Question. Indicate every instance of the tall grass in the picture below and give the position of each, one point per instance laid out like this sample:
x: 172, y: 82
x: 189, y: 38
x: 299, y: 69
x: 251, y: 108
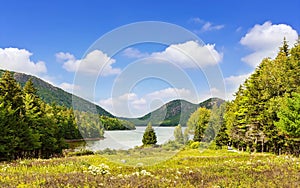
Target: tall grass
x: 188, y: 168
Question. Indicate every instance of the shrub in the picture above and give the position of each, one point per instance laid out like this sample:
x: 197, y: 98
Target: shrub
x: 80, y: 153
x: 195, y: 145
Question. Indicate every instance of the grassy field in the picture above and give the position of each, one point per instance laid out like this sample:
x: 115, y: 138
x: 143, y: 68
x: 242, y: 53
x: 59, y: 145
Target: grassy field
x: 187, y: 168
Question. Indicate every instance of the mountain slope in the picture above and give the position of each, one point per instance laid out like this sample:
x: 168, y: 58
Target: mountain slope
x: 51, y: 94
x: 174, y: 112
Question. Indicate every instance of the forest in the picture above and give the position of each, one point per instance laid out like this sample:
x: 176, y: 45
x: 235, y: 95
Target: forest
x: 31, y: 128
x: 263, y: 117
x: 265, y: 114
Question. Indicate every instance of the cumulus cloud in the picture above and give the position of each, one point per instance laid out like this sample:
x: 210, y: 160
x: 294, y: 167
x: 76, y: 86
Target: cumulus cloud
x: 264, y: 40
x: 134, y: 53
x: 130, y: 104
x: 18, y: 60
x: 93, y: 63
x: 233, y: 82
x: 190, y: 54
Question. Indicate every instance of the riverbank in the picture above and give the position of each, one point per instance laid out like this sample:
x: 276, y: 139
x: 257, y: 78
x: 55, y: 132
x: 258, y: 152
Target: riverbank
x: 187, y: 168
x: 84, y: 139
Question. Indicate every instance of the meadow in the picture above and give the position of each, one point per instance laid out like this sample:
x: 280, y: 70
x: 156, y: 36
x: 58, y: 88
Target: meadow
x: 135, y: 168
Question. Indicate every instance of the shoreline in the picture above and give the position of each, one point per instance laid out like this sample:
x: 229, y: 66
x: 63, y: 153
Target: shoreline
x: 83, y: 139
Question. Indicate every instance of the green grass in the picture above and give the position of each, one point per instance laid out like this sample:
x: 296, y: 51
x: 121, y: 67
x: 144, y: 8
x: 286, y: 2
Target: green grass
x: 188, y: 168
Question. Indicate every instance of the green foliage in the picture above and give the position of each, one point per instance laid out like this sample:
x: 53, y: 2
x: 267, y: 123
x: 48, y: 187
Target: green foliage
x: 32, y: 128
x: 51, y: 94
x: 251, y: 115
x: 178, y: 135
x: 174, y: 113
x: 198, y: 123
x: 80, y: 153
x: 149, y: 137
x: 289, y: 115
x: 110, y: 123
x: 222, y: 139
x: 172, y: 145
x: 188, y: 168
x: 195, y: 145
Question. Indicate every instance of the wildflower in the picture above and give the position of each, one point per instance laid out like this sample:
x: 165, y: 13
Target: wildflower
x: 102, y: 169
x: 135, y: 174
x: 120, y: 176
x: 145, y: 173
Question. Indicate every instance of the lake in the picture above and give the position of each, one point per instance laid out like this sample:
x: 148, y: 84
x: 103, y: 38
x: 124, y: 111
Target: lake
x: 130, y: 138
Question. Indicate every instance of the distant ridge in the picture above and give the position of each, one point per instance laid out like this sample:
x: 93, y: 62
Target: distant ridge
x: 170, y: 114
x: 174, y: 112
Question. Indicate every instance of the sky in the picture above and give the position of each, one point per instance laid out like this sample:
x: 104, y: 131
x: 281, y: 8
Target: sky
x: 109, y: 53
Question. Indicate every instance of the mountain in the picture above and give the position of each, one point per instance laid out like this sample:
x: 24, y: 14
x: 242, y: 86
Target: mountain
x: 51, y: 94
x: 174, y: 112
x: 171, y: 114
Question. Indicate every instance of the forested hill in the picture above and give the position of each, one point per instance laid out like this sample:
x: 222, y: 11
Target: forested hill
x: 174, y: 112
x: 51, y: 94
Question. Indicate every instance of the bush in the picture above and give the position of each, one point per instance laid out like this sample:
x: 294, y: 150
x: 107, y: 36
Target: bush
x: 80, y: 153
x: 107, y: 151
x: 172, y: 145
x: 194, y: 145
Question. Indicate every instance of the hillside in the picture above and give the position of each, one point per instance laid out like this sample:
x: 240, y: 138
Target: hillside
x: 51, y: 94
x: 174, y: 112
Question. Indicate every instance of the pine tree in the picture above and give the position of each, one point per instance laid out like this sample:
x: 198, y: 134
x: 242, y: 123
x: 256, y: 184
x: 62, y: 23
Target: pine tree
x: 289, y: 115
x: 186, y: 136
x: 12, y: 101
x: 11, y: 92
x: 250, y: 117
x: 222, y: 138
x: 149, y: 137
x: 178, y: 135
x: 201, y: 123
x: 8, y: 133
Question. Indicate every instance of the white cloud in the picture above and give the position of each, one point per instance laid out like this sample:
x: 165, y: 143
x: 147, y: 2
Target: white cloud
x: 18, y: 60
x: 69, y: 87
x: 233, y: 83
x: 169, y: 94
x: 264, y: 40
x: 236, y: 80
x: 61, y: 57
x: 130, y: 104
x: 208, y: 26
x: 190, y: 54
x: 134, y: 53
x: 196, y: 20
x: 93, y: 63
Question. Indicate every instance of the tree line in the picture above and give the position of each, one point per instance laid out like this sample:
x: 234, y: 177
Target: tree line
x: 265, y: 114
x: 32, y: 128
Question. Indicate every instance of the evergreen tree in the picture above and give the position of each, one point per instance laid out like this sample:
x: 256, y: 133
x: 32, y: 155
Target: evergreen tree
x: 289, y: 116
x: 149, y: 137
x: 201, y: 119
x: 222, y: 138
x: 186, y: 136
x: 178, y: 135
x: 12, y: 101
x: 251, y: 115
x: 11, y: 92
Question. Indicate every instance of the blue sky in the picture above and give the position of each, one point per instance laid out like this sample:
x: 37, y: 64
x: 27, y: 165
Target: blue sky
x: 50, y: 38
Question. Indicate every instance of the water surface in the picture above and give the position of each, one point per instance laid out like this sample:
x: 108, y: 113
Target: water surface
x: 130, y: 138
